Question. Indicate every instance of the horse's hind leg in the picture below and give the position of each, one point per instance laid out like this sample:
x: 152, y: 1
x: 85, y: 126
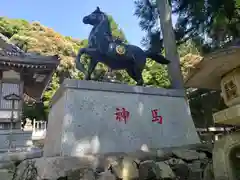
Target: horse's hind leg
x: 136, y: 74
x: 138, y: 66
x: 91, y: 67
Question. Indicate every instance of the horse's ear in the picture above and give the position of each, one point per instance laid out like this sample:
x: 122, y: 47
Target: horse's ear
x: 98, y: 9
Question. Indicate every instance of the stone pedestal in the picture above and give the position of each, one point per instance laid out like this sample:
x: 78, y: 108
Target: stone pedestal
x: 96, y: 117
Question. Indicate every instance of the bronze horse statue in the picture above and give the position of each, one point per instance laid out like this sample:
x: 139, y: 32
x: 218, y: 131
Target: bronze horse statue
x: 113, y: 53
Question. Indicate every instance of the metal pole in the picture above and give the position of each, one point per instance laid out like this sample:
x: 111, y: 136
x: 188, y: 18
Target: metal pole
x: 174, y: 70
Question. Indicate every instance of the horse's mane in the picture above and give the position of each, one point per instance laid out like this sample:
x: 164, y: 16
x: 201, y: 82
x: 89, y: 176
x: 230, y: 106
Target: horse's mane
x: 108, y: 23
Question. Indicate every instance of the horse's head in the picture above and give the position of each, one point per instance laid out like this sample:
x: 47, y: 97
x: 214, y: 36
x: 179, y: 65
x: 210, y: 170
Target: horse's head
x: 95, y: 17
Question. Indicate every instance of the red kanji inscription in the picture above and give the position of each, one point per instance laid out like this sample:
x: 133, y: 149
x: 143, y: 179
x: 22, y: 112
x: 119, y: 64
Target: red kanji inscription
x: 122, y: 115
x: 155, y: 117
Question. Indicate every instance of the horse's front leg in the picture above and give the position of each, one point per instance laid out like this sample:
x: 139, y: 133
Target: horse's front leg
x: 78, y: 63
x: 86, y: 50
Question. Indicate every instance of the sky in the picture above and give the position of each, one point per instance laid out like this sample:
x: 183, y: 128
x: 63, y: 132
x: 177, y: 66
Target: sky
x: 65, y: 17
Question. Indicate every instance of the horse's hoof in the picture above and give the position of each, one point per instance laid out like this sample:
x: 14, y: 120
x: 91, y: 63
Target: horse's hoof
x: 87, y: 79
x: 140, y: 84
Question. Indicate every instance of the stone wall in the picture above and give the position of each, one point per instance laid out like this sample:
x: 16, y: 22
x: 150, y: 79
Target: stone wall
x: 19, y: 139
x: 192, y: 163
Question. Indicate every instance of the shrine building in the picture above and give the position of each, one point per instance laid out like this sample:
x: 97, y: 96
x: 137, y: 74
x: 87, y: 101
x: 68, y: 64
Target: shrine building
x: 21, y: 75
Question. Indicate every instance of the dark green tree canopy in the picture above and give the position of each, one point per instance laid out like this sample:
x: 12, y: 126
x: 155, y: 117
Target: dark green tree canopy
x: 209, y: 23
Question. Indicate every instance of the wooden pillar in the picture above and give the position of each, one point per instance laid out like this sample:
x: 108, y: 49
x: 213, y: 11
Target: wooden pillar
x: 174, y: 70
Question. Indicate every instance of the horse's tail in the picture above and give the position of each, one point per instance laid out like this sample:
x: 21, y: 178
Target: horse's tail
x: 157, y: 57
x: 80, y: 65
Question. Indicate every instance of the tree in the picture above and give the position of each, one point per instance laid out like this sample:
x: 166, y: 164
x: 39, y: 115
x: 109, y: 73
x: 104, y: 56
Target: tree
x: 9, y: 27
x: 116, y: 31
x: 202, y: 26
x: 148, y: 21
x: 211, y: 24
x: 216, y: 20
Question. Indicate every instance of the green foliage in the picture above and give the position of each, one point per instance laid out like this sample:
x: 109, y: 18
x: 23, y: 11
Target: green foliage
x: 211, y: 24
x: 54, y: 85
x: 116, y: 31
x: 155, y: 75
x: 202, y: 26
x: 189, y: 47
x: 216, y: 20
x: 238, y: 3
x: 34, y: 37
x: 9, y: 27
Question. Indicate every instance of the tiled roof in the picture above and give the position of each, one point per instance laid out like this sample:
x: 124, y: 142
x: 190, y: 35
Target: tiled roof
x: 7, y: 48
x: 207, y: 72
x: 12, y: 57
x: 11, y: 51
